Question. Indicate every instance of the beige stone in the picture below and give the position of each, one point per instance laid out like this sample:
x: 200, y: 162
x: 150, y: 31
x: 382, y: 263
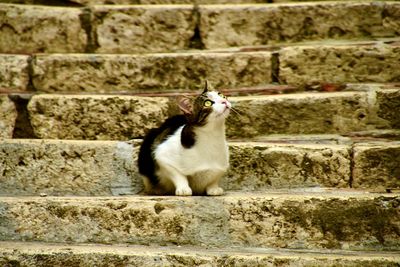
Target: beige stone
x: 282, y: 220
x: 107, y: 73
x: 161, y: 2
x: 33, y: 29
x: 89, y: 168
x: 37, y: 254
x: 246, y: 25
x: 388, y: 106
x: 52, y: 167
x: 95, y: 117
x: 136, y: 29
x: 299, y: 114
x: 339, y: 64
x: 261, y: 166
x: 8, y: 116
x: 14, y: 74
x: 138, y: 2
x: 377, y: 165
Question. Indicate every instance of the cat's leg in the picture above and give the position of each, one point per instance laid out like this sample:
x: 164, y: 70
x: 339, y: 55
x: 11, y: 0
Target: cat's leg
x: 213, y: 189
x: 178, y: 179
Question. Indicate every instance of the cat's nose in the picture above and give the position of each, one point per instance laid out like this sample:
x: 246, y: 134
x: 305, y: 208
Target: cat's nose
x: 225, y: 102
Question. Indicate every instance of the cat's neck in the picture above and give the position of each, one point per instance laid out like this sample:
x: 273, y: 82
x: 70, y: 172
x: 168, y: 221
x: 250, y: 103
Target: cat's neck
x: 214, y: 128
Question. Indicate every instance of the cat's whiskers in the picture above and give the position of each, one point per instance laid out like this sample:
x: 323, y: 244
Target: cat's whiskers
x: 236, y: 112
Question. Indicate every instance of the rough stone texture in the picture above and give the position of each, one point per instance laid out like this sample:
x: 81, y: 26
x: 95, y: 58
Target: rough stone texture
x: 312, y: 220
x: 133, y: 2
x: 135, y: 29
x: 33, y: 167
x: 377, y: 165
x: 95, y: 117
x: 35, y: 29
x: 246, y: 25
x: 14, y: 73
x: 388, y: 102
x: 299, y: 114
x: 157, y: 2
x: 339, y: 64
x: 106, y: 73
x: 36, y: 254
x: 261, y: 166
x: 90, y: 168
x: 8, y: 115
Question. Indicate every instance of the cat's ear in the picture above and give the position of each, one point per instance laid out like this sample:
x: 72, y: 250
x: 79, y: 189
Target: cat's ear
x: 206, y: 86
x: 185, y: 105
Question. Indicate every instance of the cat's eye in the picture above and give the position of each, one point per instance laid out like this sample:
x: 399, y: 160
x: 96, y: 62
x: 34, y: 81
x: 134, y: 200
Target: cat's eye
x: 208, y: 103
x: 221, y: 95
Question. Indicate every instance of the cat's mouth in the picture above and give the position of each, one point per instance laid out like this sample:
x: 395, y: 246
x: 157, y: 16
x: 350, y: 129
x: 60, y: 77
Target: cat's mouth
x: 225, y: 112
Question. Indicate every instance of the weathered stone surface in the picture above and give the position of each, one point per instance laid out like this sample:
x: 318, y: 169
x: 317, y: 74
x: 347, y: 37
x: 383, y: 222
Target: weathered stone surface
x: 107, y: 73
x: 299, y: 114
x: 90, y: 168
x: 95, y: 117
x: 14, y: 73
x: 49, y: 255
x: 339, y: 64
x: 33, y: 167
x: 135, y: 29
x: 158, y: 2
x: 308, y: 220
x: 33, y: 29
x: 377, y: 165
x: 8, y: 115
x: 134, y: 2
x: 260, y: 166
x: 246, y: 25
x: 388, y: 102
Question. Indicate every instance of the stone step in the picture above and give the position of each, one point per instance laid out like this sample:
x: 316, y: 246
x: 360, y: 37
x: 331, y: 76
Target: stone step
x: 338, y: 64
x: 105, y: 168
x: 302, y: 65
x: 166, y: 28
x: 303, y: 220
x: 49, y: 255
x: 133, y: 73
x: 114, y: 117
x: 73, y: 3
x: 364, y: 107
x: 8, y: 116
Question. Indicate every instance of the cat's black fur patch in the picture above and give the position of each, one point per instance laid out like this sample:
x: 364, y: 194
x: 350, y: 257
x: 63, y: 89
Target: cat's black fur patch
x: 188, y: 136
x: 146, y: 163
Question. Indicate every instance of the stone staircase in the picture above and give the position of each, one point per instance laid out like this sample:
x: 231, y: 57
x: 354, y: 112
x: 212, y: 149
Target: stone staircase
x: 314, y: 145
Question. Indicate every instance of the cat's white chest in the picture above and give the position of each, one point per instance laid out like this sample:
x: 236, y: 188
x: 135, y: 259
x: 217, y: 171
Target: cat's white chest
x: 210, y: 153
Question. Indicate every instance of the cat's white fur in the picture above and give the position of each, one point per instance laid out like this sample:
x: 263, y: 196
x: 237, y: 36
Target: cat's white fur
x: 199, y: 168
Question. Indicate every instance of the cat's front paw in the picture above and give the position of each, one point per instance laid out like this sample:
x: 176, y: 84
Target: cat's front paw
x: 215, y: 191
x: 183, y: 191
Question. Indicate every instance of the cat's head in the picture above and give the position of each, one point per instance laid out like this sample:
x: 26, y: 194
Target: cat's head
x: 209, y: 106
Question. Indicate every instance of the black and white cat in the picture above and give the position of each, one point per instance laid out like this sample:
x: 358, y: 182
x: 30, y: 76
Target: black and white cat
x: 188, y: 154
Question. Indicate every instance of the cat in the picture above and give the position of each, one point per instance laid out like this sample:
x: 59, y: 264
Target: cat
x: 188, y: 154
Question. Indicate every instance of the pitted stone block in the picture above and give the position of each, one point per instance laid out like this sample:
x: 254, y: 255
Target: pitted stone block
x: 108, y: 73
x: 34, y: 29
x: 95, y: 117
x: 8, y: 116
